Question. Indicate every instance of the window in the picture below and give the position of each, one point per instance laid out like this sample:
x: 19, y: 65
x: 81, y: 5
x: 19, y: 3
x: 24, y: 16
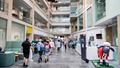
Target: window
x: 98, y: 36
x: 100, y: 9
x: 89, y: 18
x: 1, y: 5
x: 80, y: 22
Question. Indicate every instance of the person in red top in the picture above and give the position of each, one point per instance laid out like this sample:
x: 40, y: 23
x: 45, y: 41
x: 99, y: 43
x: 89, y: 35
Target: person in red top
x: 47, y: 51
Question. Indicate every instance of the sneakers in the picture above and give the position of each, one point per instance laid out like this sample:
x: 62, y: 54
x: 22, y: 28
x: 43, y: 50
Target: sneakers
x: 39, y: 60
x: 46, y: 60
x: 25, y: 65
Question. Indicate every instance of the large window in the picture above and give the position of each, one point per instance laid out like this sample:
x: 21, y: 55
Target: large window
x: 100, y: 9
x: 89, y: 18
x: 18, y: 32
x: 3, y: 27
x: 80, y: 22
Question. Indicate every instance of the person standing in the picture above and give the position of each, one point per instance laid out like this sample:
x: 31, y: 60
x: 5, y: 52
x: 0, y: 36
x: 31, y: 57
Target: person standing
x: 26, y: 45
x: 0, y: 49
x: 65, y: 43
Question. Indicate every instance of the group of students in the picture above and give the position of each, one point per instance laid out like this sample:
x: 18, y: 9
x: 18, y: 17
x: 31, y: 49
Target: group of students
x: 43, y: 48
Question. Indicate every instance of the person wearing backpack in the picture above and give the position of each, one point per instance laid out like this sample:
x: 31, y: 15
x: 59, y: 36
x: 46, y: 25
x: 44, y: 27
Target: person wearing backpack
x: 103, y: 53
x: 40, y: 47
x: 47, y: 51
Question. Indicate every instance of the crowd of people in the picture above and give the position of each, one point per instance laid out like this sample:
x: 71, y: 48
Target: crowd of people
x: 42, y: 47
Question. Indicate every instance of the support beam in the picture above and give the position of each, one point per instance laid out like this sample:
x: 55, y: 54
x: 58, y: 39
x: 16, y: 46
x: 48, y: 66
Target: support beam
x: 118, y: 30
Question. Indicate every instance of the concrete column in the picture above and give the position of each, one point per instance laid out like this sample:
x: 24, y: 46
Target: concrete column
x: 78, y: 24
x: 118, y: 28
x: 9, y: 23
x: 33, y: 21
x: 84, y: 15
x: 48, y: 25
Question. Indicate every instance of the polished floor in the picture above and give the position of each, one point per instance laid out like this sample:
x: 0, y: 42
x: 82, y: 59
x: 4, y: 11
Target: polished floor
x: 62, y: 59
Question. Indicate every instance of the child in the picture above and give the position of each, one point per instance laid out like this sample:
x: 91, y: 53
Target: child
x: 47, y: 51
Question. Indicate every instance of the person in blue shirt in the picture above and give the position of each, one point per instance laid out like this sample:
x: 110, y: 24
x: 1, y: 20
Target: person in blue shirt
x: 40, y: 47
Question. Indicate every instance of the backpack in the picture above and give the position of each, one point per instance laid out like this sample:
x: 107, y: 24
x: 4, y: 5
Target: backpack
x: 106, y: 49
x: 47, y: 47
x: 41, y: 47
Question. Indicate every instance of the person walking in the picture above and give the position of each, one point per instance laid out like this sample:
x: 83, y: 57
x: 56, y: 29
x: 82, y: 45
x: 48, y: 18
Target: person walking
x: 31, y: 53
x: 26, y: 45
x: 40, y: 47
x: 47, y: 51
x: 52, y: 46
x: 58, y: 45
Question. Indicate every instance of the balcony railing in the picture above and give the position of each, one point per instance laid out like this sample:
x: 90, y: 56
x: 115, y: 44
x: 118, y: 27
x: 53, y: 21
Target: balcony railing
x: 67, y: 10
x: 61, y: 32
x: 61, y: 20
x: 19, y: 15
x: 43, y: 11
x: 3, y: 6
x: 27, y: 20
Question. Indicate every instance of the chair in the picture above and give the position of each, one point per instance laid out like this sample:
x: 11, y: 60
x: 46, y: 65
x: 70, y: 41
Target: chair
x: 7, y: 59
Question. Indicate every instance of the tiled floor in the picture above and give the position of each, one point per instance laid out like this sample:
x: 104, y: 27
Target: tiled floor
x: 68, y: 59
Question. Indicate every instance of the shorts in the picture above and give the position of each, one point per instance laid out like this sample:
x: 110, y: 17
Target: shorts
x: 26, y: 55
x: 40, y: 53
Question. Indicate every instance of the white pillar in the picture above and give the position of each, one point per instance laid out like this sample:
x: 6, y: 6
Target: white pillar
x: 9, y: 23
x: 118, y: 30
x: 78, y: 24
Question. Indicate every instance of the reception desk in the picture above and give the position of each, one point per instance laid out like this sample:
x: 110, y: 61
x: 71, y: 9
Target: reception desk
x: 7, y: 59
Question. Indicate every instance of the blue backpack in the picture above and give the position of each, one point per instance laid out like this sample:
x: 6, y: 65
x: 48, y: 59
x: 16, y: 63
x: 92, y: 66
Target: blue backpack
x: 41, y: 47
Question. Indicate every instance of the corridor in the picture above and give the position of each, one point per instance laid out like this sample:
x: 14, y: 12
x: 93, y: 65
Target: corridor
x: 68, y: 59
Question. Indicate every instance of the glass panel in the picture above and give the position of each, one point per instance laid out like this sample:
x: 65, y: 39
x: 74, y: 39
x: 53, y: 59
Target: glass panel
x: 80, y: 22
x: 114, y: 33
x: 89, y: 18
x: 2, y: 38
x: 3, y: 23
x: 18, y: 32
x: 100, y: 9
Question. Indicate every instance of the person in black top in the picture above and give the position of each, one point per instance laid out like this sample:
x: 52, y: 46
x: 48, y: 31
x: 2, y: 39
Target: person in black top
x: 26, y: 50
x: 0, y: 49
